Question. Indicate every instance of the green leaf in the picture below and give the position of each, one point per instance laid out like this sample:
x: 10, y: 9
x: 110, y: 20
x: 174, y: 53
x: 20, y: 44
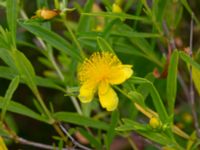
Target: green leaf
x: 196, y: 79
x: 9, y: 93
x: 8, y: 73
x: 125, y: 48
x: 145, y: 47
x: 22, y: 110
x: 84, y: 22
x: 103, y: 45
x: 6, y: 56
x: 48, y: 83
x: 3, y: 132
x: 51, y: 38
x: 80, y: 120
x: 6, y: 39
x: 172, y: 81
x: 137, y: 97
x: 161, y: 6
x: 189, y: 60
x: 144, y: 89
x: 131, y: 34
x: 117, y: 15
x: 111, y: 130
x: 93, y: 141
x: 142, y: 129
x: 130, y: 125
x: 159, y: 104
x: 11, y: 11
x: 155, y: 97
x: 25, y: 70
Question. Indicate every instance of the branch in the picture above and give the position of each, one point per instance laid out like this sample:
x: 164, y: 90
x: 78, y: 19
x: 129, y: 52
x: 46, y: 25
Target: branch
x: 73, y: 140
x: 34, y: 144
x: 171, y: 39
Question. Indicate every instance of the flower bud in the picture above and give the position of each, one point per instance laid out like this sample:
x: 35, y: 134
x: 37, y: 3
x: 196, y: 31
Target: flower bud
x: 46, y: 14
x: 99, y: 28
x: 116, y: 8
x: 154, y: 123
x: 187, y: 118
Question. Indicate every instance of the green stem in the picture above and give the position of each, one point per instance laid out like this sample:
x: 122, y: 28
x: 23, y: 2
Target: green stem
x: 76, y: 105
x: 133, y: 145
x: 52, y: 59
x: 73, y: 37
x: 51, y: 119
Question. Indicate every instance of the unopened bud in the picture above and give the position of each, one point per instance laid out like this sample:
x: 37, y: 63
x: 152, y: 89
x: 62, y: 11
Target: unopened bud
x: 116, y: 8
x: 46, y: 14
x: 99, y: 28
x: 154, y: 123
x: 187, y: 118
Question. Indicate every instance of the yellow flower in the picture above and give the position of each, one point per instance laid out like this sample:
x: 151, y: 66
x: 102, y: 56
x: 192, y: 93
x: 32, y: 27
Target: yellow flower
x: 98, y: 73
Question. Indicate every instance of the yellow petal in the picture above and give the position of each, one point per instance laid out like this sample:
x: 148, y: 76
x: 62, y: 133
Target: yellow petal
x: 128, y: 71
x: 107, y: 96
x: 2, y: 144
x: 120, y: 74
x: 86, y: 93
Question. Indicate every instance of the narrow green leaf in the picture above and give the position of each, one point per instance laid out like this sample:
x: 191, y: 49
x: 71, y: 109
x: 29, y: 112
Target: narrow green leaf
x: 137, y: 97
x: 111, y: 130
x: 3, y: 43
x: 196, y: 79
x: 189, y: 60
x: 11, y: 11
x: 155, y: 97
x: 104, y: 46
x: 172, y: 81
x: 125, y: 48
x: 157, y: 137
x: 117, y: 15
x: 145, y: 47
x: 6, y: 56
x: 132, y: 34
x: 80, y: 120
x: 84, y: 22
x: 129, y: 125
x: 8, y: 73
x: 60, y: 144
x: 3, y: 132
x: 161, y: 6
x: 142, y: 129
x: 6, y: 39
x: 51, y: 38
x: 48, y: 83
x: 159, y: 104
x: 9, y: 93
x: 22, y: 110
x: 144, y: 88
x: 25, y: 70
